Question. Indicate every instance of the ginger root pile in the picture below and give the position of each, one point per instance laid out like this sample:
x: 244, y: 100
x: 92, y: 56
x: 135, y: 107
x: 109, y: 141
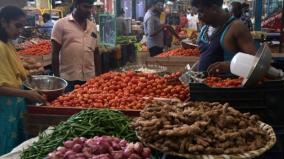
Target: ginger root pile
x: 199, y: 128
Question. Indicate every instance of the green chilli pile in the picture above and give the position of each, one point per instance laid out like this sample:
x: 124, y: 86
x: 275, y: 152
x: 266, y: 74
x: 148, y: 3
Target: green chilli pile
x: 87, y: 123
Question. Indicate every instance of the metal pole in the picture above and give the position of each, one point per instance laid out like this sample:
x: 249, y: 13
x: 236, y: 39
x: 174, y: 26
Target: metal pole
x: 281, y: 29
x: 267, y: 7
x: 258, y: 15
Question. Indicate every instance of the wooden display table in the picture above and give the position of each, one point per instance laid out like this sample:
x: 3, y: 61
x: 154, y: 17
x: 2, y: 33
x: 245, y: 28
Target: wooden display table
x: 39, y: 118
x: 173, y: 63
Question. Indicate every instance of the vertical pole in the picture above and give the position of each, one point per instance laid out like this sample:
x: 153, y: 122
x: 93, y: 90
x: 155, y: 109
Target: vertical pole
x: 281, y: 29
x: 134, y: 9
x: 268, y: 7
x: 258, y: 14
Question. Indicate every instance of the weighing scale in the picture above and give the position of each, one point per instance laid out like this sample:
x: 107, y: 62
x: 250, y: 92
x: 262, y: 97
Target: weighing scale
x: 255, y: 68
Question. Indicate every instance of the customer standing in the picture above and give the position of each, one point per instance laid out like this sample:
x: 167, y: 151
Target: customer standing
x: 74, y: 41
x: 153, y: 28
x: 12, y: 73
x: 121, y: 26
x: 48, y: 24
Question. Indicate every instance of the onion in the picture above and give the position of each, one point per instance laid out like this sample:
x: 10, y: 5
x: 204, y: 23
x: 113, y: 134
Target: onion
x: 102, y: 156
x: 115, y: 146
x: 61, y: 149
x: 72, y: 157
x: 69, y: 144
x: 90, y: 143
x: 51, y: 155
x: 116, y: 140
x: 146, y: 152
x: 69, y: 153
x: 117, y: 155
x: 138, y: 147
x: 134, y: 156
x: 77, y: 148
x: 83, y: 139
x: 59, y: 154
x: 80, y: 155
x: 127, y: 152
x: 88, y: 151
x: 123, y: 143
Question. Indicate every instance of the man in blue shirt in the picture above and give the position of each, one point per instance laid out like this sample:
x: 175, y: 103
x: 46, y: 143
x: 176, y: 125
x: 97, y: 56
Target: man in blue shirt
x: 48, y: 24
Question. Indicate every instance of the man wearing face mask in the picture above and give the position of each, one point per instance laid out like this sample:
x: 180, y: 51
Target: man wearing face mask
x: 73, y: 45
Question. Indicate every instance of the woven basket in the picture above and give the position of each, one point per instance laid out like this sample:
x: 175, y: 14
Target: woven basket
x: 248, y: 155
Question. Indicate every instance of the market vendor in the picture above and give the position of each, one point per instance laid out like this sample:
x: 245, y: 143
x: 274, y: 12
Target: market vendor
x: 12, y: 73
x: 74, y: 41
x: 229, y: 37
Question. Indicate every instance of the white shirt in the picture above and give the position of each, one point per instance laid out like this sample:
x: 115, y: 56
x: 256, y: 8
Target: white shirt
x: 192, y: 21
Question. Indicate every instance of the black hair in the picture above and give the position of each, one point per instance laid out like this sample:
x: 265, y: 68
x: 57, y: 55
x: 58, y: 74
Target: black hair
x: 206, y: 3
x: 236, y: 9
x: 76, y: 2
x: 154, y: 2
x: 7, y: 14
x: 46, y: 17
x: 120, y: 12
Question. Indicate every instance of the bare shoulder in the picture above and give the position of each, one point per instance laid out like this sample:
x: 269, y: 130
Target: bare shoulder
x: 239, y: 28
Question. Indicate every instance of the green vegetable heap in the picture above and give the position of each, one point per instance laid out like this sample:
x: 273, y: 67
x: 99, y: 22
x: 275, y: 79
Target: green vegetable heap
x: 87, y: 123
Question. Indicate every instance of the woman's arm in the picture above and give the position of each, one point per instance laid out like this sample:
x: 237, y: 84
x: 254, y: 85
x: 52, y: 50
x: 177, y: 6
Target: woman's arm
x: 29, y: 94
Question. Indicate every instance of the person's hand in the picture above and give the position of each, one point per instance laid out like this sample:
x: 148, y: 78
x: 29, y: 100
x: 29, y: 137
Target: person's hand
x: 219, y: 68
x: 35, y: 96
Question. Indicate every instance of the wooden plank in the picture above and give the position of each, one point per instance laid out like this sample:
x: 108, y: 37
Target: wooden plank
x: 69, y: 111
x: 173, y: 63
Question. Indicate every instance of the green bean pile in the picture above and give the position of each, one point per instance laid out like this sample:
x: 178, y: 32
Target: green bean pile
x: 87, y: 123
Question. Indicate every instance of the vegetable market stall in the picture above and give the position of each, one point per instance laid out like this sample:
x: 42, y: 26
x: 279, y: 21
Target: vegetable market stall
x: 175, y: 60
x: 37, y: 48
x: 114, y: 90
x: 99, y: 124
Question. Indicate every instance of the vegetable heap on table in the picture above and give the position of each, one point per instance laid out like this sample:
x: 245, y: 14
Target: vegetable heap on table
x: 180, y: 52
x: 42, y: 48
x: 199, y: 128
x: 223, y: 83
x: 122, y: 90
x: 104, y: 147
x: 28, y: 43
x: 87, y: 123
x: 33, y: 67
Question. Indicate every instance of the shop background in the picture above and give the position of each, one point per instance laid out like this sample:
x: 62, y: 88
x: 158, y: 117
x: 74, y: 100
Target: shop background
x: 18, y: 3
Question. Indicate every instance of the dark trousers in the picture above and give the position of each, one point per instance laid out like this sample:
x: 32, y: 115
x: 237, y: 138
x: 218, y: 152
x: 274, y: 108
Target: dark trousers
x: 154, y: 51
x: 71, y: 85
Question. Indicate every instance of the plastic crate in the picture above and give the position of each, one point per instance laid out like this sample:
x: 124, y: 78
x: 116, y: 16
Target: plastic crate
x: 265, y: 100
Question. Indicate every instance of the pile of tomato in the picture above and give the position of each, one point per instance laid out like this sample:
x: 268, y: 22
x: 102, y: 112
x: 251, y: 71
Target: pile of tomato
x: 122, y: 90
x: 180, y: 52
x: 223, y: 83
x: 42, y: 48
